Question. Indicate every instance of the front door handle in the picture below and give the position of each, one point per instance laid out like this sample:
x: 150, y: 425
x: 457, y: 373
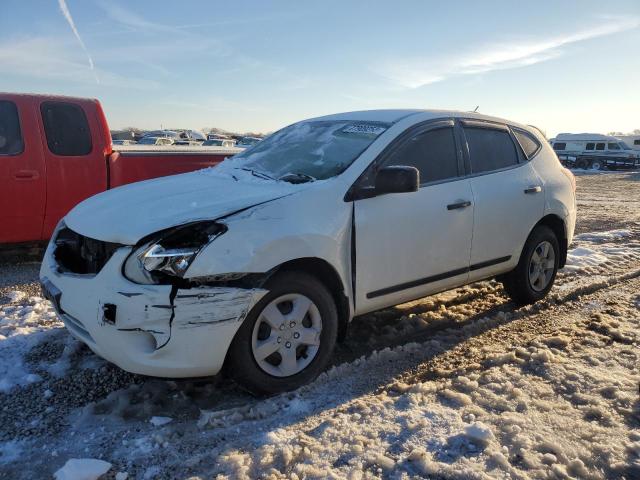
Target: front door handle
x: 455, y: 206
x: 26, y: 174
x: 533, y: 189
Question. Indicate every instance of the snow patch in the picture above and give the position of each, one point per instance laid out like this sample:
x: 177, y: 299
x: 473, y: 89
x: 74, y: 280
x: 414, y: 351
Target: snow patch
x: 82, y: 469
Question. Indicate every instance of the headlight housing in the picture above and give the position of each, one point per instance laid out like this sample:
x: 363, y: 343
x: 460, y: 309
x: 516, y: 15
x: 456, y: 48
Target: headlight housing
x: 169, y: 254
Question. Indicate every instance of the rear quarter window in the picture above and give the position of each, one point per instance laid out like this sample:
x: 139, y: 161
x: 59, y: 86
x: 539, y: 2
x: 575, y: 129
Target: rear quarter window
x: 490, y: 149
x: 66, y: 129
x: 530, y: 145
x: 11, y: 142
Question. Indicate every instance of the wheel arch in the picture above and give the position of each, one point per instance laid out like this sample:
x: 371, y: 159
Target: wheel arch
x: 557, y: 225
x: 327, y: 274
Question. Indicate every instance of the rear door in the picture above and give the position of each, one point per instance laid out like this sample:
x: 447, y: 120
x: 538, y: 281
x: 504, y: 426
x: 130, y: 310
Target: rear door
x: 74, y: 150
x: 508, y: 196
x: 22, y: 172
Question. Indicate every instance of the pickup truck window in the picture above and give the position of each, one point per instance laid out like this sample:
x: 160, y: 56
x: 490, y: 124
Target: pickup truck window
x: 66, y: 129
x: 11, y: 142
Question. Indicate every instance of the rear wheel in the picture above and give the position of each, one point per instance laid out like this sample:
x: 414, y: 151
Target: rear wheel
x: 536, y: 271
x: 287, y: 338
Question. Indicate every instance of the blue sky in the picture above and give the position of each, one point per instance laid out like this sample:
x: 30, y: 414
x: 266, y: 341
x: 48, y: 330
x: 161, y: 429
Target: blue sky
x: 254, y: 65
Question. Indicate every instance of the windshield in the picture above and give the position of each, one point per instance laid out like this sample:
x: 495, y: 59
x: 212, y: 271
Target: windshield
x: 625, y: 146
x: 320, y: 149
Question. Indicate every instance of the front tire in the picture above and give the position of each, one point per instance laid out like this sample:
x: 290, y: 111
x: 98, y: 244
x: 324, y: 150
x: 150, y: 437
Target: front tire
x: 288, y: 337
x: 536, y: 271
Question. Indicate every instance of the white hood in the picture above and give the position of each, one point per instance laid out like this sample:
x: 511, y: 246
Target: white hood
x: 127, y: 214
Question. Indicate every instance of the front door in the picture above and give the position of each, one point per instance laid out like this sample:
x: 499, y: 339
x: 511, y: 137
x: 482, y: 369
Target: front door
x: 408, y: 245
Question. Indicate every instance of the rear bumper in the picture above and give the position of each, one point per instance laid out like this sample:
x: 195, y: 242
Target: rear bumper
x: 147, y: 329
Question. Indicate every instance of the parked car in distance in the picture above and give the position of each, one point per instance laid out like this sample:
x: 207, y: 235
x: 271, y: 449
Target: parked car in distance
x: 123, y: 142
x: 248, y: 141
x: 219, y: 142
x: 156, y: 141
x: 56, y: 151
x: 260, y: 262
x: 594, y: 151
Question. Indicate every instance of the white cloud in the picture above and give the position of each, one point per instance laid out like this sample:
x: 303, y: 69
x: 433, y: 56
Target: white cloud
x: 67, y: 15
x: 417, y: 72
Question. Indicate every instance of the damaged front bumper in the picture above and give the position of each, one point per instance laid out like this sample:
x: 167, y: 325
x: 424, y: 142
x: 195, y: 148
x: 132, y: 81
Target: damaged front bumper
x: 156, y: 330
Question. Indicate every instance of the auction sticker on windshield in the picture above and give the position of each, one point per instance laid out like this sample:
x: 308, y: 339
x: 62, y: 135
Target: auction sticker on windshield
x: 364, y: 128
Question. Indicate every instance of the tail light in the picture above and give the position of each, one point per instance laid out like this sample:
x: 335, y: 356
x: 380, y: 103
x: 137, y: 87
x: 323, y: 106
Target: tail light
x: 571, y: 177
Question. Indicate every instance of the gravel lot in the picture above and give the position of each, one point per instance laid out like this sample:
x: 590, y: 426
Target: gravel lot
x: 71, y: 404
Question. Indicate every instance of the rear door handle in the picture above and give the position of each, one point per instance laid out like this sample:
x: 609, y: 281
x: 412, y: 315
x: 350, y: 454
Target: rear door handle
x: 533, y: 189
x: 455, y: 206
x: 26, y: 174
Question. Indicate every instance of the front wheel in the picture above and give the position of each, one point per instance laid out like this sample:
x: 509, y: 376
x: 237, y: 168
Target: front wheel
x: 287, y: 338
x: 536, y: 271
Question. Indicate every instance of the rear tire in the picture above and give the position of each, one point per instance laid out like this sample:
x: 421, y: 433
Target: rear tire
x: 287, y: 338
x: 536, y: 271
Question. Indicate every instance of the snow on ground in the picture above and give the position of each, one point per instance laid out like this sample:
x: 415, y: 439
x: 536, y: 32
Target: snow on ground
x: 459, y: 385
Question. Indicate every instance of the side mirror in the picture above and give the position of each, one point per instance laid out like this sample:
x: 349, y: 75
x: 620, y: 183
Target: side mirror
x: 397, y: 179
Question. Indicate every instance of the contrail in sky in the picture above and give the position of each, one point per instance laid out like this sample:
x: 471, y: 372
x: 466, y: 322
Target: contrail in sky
x: 69, y: 18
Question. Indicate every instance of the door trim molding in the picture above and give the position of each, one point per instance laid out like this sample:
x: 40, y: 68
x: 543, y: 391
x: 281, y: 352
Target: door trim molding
x: 436, y: 278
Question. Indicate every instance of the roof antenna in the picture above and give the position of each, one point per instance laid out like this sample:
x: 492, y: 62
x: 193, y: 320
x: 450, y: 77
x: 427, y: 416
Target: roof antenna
x: 475, y: 110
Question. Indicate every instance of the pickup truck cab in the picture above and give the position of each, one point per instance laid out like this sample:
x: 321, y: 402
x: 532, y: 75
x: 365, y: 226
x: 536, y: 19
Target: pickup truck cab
x: 56, y: 151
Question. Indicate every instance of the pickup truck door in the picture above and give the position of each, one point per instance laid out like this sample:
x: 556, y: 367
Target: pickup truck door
x: 408, y: 245
x: 22, y: 172
x: 73, y: 142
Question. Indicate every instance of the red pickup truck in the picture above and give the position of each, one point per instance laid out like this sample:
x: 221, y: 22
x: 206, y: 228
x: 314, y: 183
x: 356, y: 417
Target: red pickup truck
x: 56, y: 151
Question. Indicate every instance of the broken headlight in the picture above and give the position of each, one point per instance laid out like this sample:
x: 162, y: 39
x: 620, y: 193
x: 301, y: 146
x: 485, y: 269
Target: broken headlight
x: 170, y: 253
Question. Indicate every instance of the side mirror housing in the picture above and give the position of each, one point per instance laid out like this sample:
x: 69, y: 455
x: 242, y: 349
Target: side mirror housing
x: 397, y: 179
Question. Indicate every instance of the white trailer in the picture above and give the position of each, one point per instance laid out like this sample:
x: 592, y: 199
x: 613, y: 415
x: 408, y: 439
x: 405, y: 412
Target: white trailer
x: 632, y: 141
x: 594, y: 151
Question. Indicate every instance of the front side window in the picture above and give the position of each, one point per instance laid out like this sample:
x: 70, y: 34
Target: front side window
x: 490, y: 149
x: 599, y: 146
x: 66, y: 129
x: 433, y: 153
x: 614, y: 146
x: 311, y: 150
x: 11, y: 142
x: 591, y: 146
x: 528, y: 142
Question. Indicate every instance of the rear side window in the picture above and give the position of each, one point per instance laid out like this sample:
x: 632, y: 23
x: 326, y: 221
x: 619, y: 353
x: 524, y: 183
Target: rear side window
x: 599, y: 146
x: 490, y: 149
x: 591, y: 146
x: 66, y: 129
x: 433, y: 153
x: 528, y: 142
x: 559, y: 146
x: 11, y: 142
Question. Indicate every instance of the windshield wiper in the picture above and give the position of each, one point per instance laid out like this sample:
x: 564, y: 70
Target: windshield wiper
x: 255, y: 173
x: 297, y: 178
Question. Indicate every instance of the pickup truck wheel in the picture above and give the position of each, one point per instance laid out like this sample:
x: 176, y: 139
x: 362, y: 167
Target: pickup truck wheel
x: 536, y: 271
x: 287, y: 338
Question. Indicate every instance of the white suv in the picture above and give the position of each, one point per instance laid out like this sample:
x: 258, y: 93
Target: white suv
x: 260, y: 263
